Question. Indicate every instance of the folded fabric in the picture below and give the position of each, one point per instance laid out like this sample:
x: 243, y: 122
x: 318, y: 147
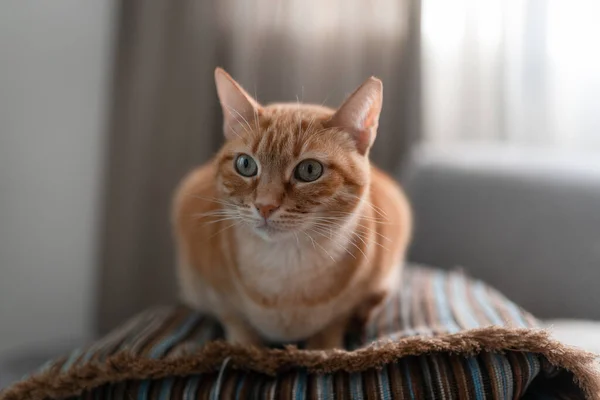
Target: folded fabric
x: 442, y: 335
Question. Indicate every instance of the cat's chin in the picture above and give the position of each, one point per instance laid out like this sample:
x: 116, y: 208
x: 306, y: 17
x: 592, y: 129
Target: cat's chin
x: 271, y: 234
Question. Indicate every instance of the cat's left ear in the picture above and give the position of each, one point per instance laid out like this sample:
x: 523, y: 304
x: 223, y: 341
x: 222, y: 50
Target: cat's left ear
x: 359, y: 115
x: 238, y: 106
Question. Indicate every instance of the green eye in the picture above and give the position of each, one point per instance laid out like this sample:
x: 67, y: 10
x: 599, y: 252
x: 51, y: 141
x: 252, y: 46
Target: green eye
x: 308, y: 171
x: 245, y: 165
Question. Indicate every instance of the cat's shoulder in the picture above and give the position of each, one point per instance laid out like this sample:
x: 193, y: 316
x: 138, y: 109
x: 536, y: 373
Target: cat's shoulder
x: 382, y: 182
x: 196, y: 191
x: 387, y: 194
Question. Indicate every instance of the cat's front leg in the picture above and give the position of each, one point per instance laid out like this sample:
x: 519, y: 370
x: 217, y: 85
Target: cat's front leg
x: 238, y: 331
x: 331, y: 337
x: 370, y: 307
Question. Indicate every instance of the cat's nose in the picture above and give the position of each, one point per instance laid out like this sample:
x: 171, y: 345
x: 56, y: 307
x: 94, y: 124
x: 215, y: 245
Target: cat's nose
x: 266, y: 209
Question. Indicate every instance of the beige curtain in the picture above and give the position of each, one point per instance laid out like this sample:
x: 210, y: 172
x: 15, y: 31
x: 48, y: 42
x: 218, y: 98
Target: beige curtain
x: 166, y: 119
x: 512, y: 72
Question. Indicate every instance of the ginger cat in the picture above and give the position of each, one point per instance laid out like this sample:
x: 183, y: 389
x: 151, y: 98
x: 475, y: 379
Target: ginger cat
x: 289, y: 231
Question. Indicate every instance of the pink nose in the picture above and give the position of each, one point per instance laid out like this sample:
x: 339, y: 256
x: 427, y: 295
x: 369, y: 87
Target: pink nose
x: 266, y: 209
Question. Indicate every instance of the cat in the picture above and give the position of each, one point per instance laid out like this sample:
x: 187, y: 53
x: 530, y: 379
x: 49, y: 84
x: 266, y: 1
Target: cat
x: 289, y: 232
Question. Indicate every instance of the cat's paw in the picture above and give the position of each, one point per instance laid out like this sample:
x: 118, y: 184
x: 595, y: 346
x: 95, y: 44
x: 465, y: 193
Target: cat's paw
x: 325, y: 342
x: 242, y: 335
x: 331, y: 337
x: 370, y: 308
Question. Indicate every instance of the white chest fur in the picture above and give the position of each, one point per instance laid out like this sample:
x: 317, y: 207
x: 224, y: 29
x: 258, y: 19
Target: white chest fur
x: 287, y: 272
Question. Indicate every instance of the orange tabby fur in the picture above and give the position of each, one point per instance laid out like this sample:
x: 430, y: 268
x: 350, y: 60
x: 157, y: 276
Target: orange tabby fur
x: 330, y: 250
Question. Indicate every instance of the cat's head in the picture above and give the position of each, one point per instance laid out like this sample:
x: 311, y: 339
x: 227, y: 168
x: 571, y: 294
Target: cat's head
x: 295, y: 169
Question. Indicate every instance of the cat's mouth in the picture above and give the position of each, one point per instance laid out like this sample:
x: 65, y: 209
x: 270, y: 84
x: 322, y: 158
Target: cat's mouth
x: 267, y: 231
x: 272, y: 231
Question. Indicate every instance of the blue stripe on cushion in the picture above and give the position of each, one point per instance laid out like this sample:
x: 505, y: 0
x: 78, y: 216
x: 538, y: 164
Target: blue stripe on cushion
x: 356, y: 386
x: 178, y: 335
x: 165, y: 388
x: 477, y: 379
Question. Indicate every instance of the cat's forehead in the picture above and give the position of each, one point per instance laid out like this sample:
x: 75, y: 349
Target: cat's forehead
x: 279, y: 142
x: 287, y: 130
x: 292, y: 119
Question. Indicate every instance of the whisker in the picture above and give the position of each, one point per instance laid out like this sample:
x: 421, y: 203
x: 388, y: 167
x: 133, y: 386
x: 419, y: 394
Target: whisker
x: 372, y: 240
x: 350, y: 241
x: 299, y: 116
x: 211, y: 217
x: 312, y: 121
x: 375, y: 232
x: 224, y: 229
x: 327, y: 97
x: 311, y: 239
x: 297, y: 240
x: 321, y: 130
x: 214, y: 200
x: 357, y: 224
x: 256, y: 122
x: 243, y: 119
x: 378, y: 210
x: 215, y: 212
x: 355, y: 245
x: 360, y: 236
x: 321, y: 247
x: 235, y: 130
x: 238, y: 135
x: 232, y: 218
x: 339, y: 215
x: 381, y: 216
x: 340, y: 245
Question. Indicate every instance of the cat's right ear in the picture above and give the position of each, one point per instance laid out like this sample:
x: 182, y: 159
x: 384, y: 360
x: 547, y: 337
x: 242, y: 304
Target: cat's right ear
x: 239, y: 108
x: 359, y: 115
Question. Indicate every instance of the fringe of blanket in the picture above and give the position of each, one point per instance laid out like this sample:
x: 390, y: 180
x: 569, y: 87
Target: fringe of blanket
x: 56, y: 383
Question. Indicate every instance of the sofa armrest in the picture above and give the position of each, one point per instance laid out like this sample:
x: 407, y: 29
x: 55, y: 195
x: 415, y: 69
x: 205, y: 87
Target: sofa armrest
x: 526, y: 222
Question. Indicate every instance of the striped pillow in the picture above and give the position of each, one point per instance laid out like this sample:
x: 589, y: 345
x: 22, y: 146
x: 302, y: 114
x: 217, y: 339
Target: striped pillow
x: 441, y: 336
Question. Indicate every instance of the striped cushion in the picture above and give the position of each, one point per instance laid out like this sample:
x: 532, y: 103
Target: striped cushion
x: 441, y: 336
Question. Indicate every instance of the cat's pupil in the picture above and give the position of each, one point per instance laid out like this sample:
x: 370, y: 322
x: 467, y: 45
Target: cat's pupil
x: 246, y: 163
x: 310, y: 169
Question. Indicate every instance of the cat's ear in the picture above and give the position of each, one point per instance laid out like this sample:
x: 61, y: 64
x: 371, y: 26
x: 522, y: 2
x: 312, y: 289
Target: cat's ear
x: 359, y: 115
x: 239, y: 108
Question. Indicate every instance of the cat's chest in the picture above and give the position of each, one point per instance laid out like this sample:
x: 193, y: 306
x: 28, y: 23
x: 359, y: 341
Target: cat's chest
x: 290, y: 324
x: 283, y: 270
x: 289, y: 291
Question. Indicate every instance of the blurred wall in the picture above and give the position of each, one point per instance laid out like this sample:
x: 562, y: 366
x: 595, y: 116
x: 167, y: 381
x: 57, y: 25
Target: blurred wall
x: 54, y: 74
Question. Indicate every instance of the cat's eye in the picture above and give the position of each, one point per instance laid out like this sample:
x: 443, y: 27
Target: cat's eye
x: 308, y: 171
x: 245, y: 165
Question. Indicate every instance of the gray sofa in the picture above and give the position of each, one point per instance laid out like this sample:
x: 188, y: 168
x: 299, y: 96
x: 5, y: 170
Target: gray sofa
x: 527, y: 222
